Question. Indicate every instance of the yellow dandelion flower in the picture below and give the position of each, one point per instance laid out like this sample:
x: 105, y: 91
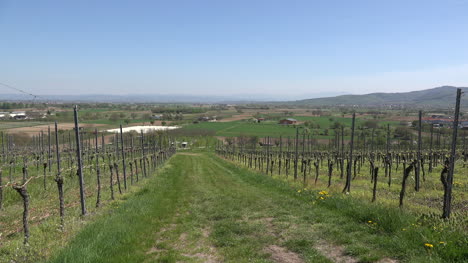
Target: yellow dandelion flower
x: 428, y: 245
x: 369, y: 221
x: 442, y: 242
x: 321, y: 198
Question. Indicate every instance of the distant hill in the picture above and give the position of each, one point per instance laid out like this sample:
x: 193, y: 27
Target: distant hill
x: 442, y: 97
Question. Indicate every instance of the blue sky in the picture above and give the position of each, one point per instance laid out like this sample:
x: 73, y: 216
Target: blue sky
x: 281, y: 48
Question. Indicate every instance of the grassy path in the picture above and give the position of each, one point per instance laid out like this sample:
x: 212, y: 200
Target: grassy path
x: 203, y: 209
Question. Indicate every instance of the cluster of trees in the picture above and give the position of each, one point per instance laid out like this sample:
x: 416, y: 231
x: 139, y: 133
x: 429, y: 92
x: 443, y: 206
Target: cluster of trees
x: 20, y: 105
x: 316, y: 112
x: 253, y: 107
x: 178, y: 110
x: 311, y: 125
x: 172, y: 117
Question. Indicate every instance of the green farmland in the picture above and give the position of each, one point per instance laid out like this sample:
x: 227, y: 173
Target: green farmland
x: 275, y: 130
x: 4, y: 125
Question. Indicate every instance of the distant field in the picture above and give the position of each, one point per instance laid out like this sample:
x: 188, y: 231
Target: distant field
x: 236, y: 128
x: 19, y: 124
x: 326, y: 121
x: 272, y: 128
x: 110, y: 122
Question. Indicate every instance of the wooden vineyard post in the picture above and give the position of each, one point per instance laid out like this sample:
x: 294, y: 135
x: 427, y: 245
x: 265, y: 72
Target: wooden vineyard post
x: 104, y: 153
x: 49, y: 153
x: 388, y: 168
x: 124, y: 165
x: 143, y: 156
x: 25, y: 172
x: 375, y: 173
x: 44, y: 164
x: 464, y: 149
x: 116, y: 167
x: 418, y: 161
x: 80, y: 163
x: 59, y: 181
x: 347, y: 187
x: 342, y: 153
x: 98, y: 170
x: 111, y: 181
x: 430, y: 148
x: 3, y: 147
x: 330, y: 171
x: 280, y: 155
x: 116, y: 148
x: 303, y: 161
x: 131, y: 172
x: 446, y: 210
x: 136, y: 169
x: 296, y: 153
x: 268, y: 155
x: 1, y: 188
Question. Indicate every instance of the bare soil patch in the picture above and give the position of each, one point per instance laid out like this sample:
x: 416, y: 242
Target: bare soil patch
x: 237, y: 118
x: 282, y: 255
x: 34, y: 130
x: 334, y: 253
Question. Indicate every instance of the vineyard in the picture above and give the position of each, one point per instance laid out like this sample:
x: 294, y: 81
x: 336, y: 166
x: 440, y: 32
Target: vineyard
x: 423, y: 180
x: 357, y: 195
x: 234, y: 132
x: 61, y: 176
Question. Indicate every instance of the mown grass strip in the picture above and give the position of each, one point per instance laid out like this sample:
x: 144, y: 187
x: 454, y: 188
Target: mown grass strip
x: 201, y: 207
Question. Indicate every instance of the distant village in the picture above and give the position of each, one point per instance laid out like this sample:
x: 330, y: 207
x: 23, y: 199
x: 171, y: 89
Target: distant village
x: 444, y: 121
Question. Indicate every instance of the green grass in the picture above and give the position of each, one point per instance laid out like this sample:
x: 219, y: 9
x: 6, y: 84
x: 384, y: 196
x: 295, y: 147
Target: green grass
x: 46, y: 235
x: 273, y: 129
x: 201, y: 207
x: 18, y: 124
x: 238, y: 128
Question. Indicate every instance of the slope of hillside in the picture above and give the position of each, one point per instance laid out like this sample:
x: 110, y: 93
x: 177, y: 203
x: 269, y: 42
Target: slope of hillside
x: 436, y: 97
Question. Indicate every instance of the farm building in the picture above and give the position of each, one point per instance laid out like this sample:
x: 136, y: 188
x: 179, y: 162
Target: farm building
x: 18, y: 115
x: 463, y: 125
x: 206, y: 118
x: 438, y: 122
x: 287, y: 121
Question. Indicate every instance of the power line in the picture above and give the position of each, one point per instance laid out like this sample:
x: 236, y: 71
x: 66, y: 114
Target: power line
x: 34, y: 97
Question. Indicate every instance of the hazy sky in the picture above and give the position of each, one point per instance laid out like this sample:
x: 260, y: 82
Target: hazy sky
x: 223, y: 47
